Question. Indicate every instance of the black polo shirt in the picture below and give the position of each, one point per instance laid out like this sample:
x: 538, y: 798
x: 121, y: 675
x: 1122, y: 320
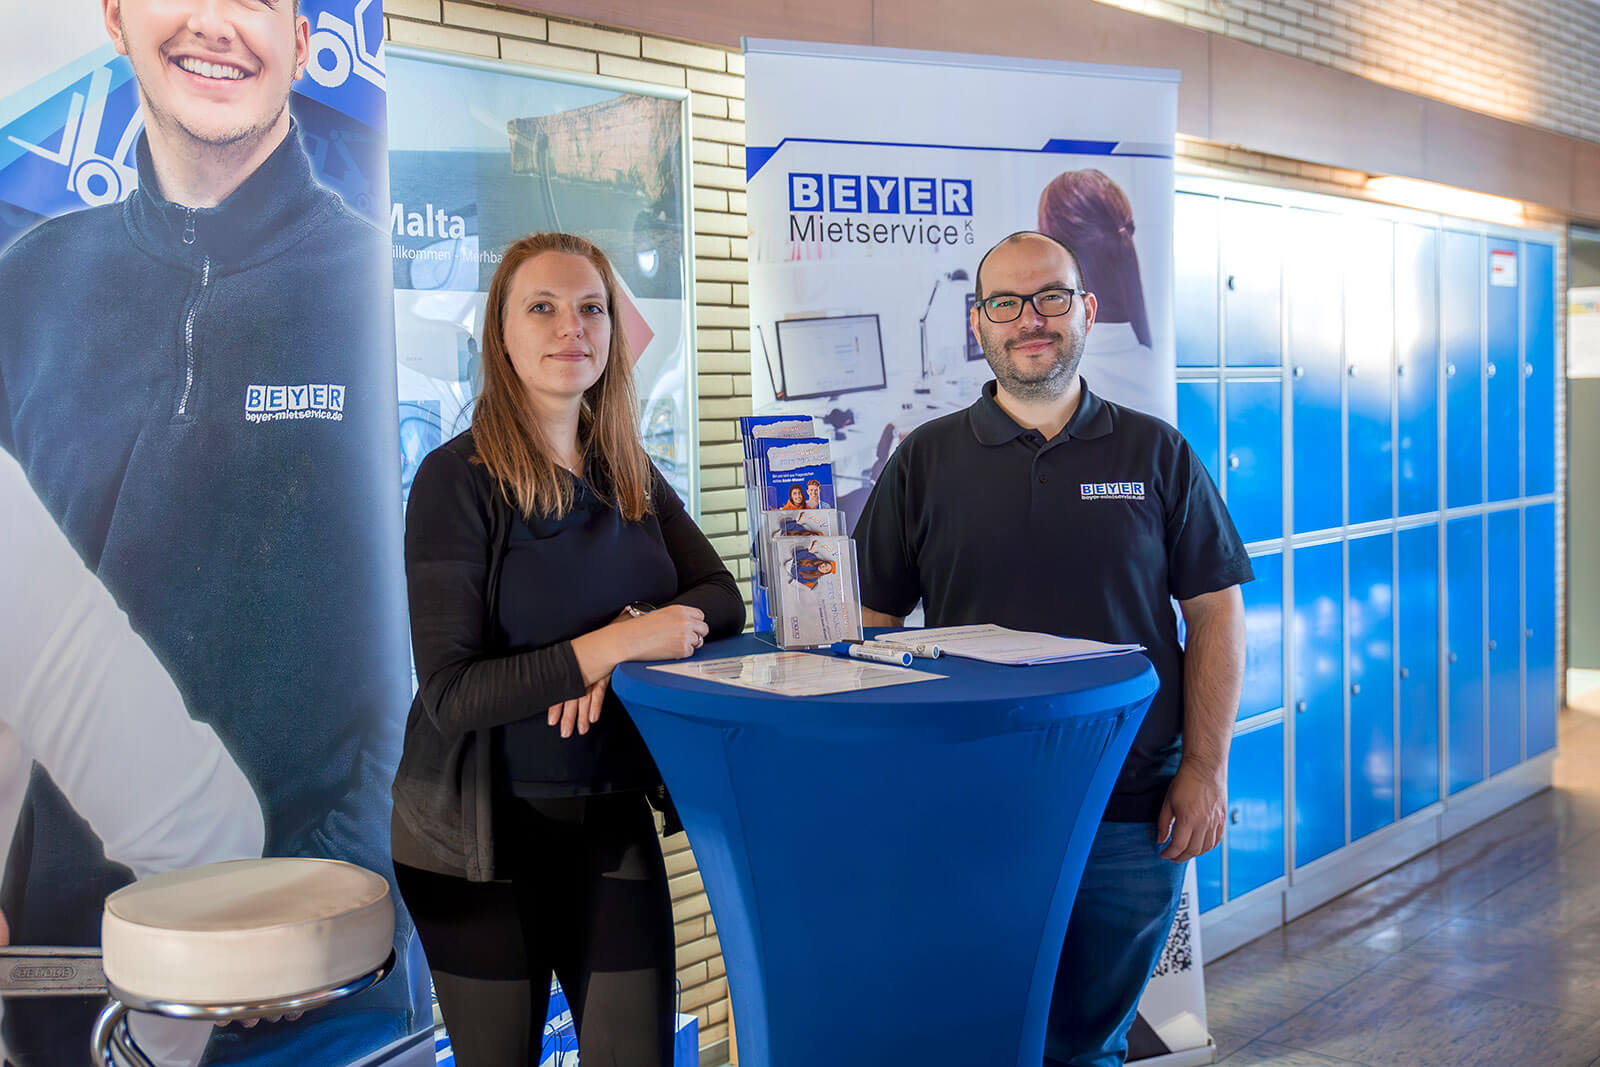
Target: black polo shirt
x: 1085, y: 535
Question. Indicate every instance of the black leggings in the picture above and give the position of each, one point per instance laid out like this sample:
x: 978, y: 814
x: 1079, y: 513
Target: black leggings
x: 586, y: 897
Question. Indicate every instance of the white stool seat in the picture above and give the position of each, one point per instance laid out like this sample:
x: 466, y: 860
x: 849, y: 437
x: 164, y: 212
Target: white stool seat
x: 245, y: 931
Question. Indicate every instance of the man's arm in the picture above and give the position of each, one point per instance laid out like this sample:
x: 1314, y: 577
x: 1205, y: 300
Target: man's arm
x: 879, y: 619
x: 1213, y: 677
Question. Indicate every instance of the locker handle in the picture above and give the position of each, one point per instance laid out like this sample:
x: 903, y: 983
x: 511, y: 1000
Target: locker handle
x: 1405, y: 672
x: 1527, y: 633
x: 1299, y: 372
x: 1233, y: 817
x: 1527, y: 370
x: 1449, y: 370
x: 1231, y: 285
x: 1355, y: 689
x: 1300, y: 706
x: 1233, y: 463
x: 1353, y: 370
x: 1490, y: 370
x: 1453, y: 657
x: 1400, y: 370
x: 1493, y: 645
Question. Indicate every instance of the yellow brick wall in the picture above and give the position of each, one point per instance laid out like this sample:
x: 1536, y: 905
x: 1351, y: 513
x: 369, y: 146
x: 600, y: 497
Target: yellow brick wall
x: 1531, y: 62
x: 715, y: 78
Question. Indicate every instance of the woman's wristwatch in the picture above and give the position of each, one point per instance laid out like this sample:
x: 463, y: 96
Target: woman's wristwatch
x: 639, y: 609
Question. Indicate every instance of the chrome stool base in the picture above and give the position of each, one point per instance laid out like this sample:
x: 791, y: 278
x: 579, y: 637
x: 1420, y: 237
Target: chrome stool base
x: 112, y: 1044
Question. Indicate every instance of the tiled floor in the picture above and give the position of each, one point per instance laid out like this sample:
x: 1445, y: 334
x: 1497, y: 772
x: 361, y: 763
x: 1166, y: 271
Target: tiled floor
x: 1484, y: 951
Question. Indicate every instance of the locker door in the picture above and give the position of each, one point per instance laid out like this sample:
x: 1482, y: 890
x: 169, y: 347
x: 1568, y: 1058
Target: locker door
x: 1460, y: 258
x: 1253, y: 480
x: 1251, y: 236
x: 1372, y: 740
x: 1500, y: 371
x: 1200, y: 422
x: 1369, y: 314
x: 1194, y: 295
x: 1539, y: 398
x: 1318, y: 696
x: 1464, y: 653
x: 1255, y: 810
x: 1263, y: 646
x: 1416, y: 370
x: 1503, y: 641
x: 1313, y: 288
x: 1417, y: 602
x: 1539, y: 626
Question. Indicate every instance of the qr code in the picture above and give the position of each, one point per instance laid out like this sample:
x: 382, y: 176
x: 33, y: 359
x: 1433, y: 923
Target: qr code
x: 1178, y: 955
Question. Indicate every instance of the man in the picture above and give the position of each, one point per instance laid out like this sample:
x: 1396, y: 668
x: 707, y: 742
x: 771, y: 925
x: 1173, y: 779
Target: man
x: 199, y: 385
x: 1043, y: 507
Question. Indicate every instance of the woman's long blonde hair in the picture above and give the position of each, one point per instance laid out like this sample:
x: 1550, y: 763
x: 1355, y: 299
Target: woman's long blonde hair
x: 506, y: 434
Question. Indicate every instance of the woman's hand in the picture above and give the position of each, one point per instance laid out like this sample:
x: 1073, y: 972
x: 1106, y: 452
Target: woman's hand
x: 672, y: 632
x: 582, y: 712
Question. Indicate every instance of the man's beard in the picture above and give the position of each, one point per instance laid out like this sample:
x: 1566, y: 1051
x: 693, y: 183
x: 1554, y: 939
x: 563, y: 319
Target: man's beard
x: 1054, y: 378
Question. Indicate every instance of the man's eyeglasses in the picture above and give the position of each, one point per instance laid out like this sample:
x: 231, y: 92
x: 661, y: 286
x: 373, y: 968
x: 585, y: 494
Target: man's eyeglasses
x: 1047, y: 302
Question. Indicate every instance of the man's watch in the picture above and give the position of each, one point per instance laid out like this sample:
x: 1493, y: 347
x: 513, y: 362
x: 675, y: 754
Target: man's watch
x: 639, y: 609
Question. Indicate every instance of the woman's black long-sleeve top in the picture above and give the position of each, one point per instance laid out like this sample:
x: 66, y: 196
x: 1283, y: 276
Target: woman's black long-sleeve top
x: 495, y: 603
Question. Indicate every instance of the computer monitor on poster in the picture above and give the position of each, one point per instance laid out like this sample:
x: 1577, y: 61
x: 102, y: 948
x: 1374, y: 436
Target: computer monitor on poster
x: 830, y: 355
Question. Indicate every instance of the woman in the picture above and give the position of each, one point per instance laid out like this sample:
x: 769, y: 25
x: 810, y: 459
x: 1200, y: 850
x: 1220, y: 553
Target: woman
x: 536, y: 544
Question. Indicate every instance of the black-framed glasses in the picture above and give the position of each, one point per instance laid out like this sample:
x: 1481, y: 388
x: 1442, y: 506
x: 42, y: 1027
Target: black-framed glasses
x: 1049, y: 303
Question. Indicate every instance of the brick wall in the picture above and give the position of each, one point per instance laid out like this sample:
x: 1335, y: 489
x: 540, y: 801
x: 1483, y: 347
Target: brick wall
x: 1529, y: 61
x: 715, y: 78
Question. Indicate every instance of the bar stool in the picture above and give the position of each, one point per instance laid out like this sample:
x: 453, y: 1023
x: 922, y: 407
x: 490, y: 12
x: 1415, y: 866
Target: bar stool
x: 244, y: 939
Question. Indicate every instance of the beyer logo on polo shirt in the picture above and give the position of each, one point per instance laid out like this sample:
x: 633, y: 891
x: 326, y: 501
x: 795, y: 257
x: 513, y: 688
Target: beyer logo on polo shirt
x: 1113, y: 490
x: 276, y: 403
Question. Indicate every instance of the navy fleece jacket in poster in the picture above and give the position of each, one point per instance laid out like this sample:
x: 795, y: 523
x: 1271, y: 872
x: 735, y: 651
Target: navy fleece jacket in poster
x: 204, y: 399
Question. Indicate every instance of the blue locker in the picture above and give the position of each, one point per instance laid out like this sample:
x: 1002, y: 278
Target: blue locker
x: 1251, y: 261
x: 1253, y: 483
x: 1372, y: 736
x: 1194, y: 292
x: 1314, y: 285
x: 1500, y: 373
x: 1318, y: 702
x: 1254, y: 837
x: 1416, y: 371
x: 1504, y: 642
x: 1208, y: 878
x: 1539, y: 626
x: 1417, y: 603
x: 1539, y: 398
x: 1369, y: 354
x: 1200, y: 422
x: 1464, y: 651
x: 1263, y: 629
x: 1461, y: 276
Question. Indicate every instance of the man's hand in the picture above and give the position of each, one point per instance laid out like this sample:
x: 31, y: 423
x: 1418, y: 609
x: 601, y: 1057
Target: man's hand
x: 1194, y: 812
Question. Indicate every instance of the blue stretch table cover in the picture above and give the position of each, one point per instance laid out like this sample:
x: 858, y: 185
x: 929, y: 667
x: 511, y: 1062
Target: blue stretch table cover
x: 891, y: 871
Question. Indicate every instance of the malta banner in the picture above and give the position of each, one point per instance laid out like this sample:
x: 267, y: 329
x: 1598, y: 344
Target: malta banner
x: 199, y: 439
x: 877, y: 180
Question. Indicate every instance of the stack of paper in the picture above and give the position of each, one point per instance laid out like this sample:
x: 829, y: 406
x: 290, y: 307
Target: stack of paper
x: 1016, y: 648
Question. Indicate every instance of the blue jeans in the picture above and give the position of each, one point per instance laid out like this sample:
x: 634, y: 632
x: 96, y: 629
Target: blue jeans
x: 1120, y: 918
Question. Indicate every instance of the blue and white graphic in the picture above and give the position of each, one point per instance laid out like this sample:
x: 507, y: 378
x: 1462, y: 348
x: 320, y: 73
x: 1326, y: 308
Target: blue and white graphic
x: 880, y: 215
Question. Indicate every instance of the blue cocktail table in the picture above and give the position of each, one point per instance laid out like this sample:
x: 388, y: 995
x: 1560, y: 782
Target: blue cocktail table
x: 891, y: 871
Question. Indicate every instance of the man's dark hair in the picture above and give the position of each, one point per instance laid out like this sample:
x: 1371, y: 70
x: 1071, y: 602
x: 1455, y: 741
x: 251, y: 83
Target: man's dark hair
x: 977, y: 284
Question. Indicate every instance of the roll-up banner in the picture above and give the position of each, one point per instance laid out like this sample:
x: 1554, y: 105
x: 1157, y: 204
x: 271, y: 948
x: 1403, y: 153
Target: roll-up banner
x: 200, y: 437
x: 877, y: 180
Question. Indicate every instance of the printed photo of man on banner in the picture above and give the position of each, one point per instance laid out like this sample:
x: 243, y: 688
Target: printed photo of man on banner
x: 197, y: 381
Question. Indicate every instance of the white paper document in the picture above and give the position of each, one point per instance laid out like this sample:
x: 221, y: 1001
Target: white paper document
x: 797, y: 674
x: 1015, y: 648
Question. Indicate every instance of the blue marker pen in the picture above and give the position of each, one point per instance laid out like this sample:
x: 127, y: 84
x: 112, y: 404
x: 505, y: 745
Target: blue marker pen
x: 893, y: 656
